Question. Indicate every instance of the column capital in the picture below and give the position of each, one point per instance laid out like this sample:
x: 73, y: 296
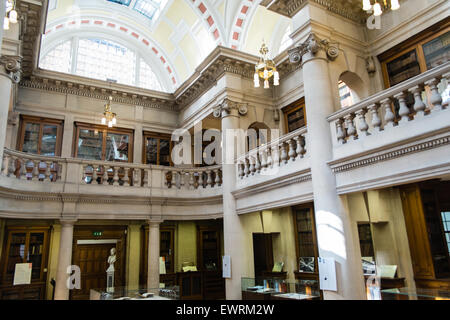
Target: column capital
x: 229, y: 107
x: 12, y: 66
x: 153, y: 223
x: 67, y: 222
x: 312, y: 46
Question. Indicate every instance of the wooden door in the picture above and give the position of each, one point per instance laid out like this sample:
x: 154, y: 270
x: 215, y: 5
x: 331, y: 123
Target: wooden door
x: 91, y: 249
x: 92, y: 260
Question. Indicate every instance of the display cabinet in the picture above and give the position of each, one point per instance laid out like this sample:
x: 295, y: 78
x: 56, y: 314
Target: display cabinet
x: 415, y: 294
x: 142, y: 293
x: 157, y: 149
x: 40, y: 136
x: 24, y: 245
x: 95, y: 142
x: 278, y: 289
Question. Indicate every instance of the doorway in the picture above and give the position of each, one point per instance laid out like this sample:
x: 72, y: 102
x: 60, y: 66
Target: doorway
x: 262, y: 253
x: 91, y: 250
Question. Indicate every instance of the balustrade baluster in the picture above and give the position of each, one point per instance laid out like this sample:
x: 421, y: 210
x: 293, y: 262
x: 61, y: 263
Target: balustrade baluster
x: 340, y: 131
x: 48, y: 172
x: 94, y: 174
x: 275, y: 155
x: 362, y: 124
x: 252, y: 165
x: 300, y: 146
x: 217, y: 178
x: 284, y: 155
x: 84, y: 174
x: 35, y: 171
x: 404, y: 110
x: 105, y: 175
x: 376, y: 121
x: 200, y: 179
x: 263, y: 157
x: 446, y: 102
x: 5, y: 168
x: 116, y: 176
x: 191, y: 180
x: 419, y: 106
x: 292, y: 152
x: 351, y: 130
x: 209, y: 182
x: 269, y: 158
x: 137, y: 174
x: 435, y: 98
x: 126, y: 178
x: 246, y: 167
x: 257, y: 163
x: 389, y: 116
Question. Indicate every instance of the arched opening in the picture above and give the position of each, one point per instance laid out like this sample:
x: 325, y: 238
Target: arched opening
x: 351, y: 89
x: 258, y: 134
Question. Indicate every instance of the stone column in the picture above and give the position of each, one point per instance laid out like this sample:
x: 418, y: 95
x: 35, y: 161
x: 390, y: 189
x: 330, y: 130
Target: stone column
x: 2, y: 14
x: 64, y: 260
x: 9, y: 74
x: 138, y: 134
x: 153, y: 255
x: 233, y: 233
x: 334, y: 230
x: 67, y: 139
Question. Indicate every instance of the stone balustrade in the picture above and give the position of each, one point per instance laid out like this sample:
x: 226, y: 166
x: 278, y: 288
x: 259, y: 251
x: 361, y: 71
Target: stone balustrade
x: 409, y: 101
x: 25, y: 166
x: 196, y: 178
x: 280, y: 152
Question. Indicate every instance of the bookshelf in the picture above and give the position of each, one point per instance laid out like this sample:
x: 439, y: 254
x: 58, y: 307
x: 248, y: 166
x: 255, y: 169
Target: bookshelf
x: 24, y: 245
x: 295, y: 115
x: 157, y: 149
x: 416, y: 55
x: 40, y: 136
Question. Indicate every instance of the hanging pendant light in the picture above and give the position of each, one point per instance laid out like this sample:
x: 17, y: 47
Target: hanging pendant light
x: 265, y: 69
x: 5, y: 23
x: 367, y: 5
x: 377, y: 9
x: 109, y: 116
x: 10, y: 14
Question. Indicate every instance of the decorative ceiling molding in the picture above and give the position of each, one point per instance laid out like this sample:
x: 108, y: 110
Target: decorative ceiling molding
x: 96, y: 92
x: 350, y: 9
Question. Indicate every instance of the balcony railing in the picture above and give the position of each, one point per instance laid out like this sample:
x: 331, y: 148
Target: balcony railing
x: 286, y: 149
x: 415, y: 99
x: 29, y: 167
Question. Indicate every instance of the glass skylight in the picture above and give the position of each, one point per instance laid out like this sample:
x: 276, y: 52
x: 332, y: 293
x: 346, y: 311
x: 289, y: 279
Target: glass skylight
x: 122, y: 2
x: 103, y: 60
x: 150, y: 8
x: 59, y: 58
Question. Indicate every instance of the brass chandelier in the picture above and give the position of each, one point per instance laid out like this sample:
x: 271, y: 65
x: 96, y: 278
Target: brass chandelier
x: 265, y: 69
x: 11, y: 14
x: 377, y: 6
x: 109, y: 117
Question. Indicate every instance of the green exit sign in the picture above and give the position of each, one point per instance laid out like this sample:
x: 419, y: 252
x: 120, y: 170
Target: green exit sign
x: 97, y: 233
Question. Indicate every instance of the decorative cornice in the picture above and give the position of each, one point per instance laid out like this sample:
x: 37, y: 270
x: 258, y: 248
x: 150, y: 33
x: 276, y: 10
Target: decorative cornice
x: 96, y: 92
x: 338, y: 167
x: 350, y: 9
x: 313, y: 45
x: 225, y: 108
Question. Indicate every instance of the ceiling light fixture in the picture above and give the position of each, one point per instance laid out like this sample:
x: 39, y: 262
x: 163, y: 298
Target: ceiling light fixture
x: 109, y: 117
x: 11, y: 14
x: 265, y: 69
x: 380, y: 5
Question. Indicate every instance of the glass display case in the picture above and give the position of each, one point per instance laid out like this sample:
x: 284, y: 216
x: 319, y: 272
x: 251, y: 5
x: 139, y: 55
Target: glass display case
x: 141, y: 293
x: 415, y: 294
x: 279, y: 289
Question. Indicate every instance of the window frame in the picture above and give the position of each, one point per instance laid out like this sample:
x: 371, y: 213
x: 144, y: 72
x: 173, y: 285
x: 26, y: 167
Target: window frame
x: 415, y: 43
x: 293, y: 107
x: 105, y: 130
x: 42, y: 121
x: 159, y: 137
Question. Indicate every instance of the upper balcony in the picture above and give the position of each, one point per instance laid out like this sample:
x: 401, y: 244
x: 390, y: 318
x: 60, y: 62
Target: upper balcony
x: 398, y: 135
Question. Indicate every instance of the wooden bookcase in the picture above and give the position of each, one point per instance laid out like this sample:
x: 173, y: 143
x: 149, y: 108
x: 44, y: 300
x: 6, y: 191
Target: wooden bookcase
x: 157, y: 149
x: 417, y: 54
x: 40, y: 135
x: 24, y: 245
x: 95, y: 140
x: 423, y: 204
x: 295, y: 115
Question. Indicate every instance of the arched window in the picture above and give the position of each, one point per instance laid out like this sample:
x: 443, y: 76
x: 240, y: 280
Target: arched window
x: 103, y: 60
x: 345, y: 94
x: 286, y: 41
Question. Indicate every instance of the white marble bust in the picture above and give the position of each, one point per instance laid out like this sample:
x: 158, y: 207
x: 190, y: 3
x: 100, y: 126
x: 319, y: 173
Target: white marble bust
x: 111, y: 260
